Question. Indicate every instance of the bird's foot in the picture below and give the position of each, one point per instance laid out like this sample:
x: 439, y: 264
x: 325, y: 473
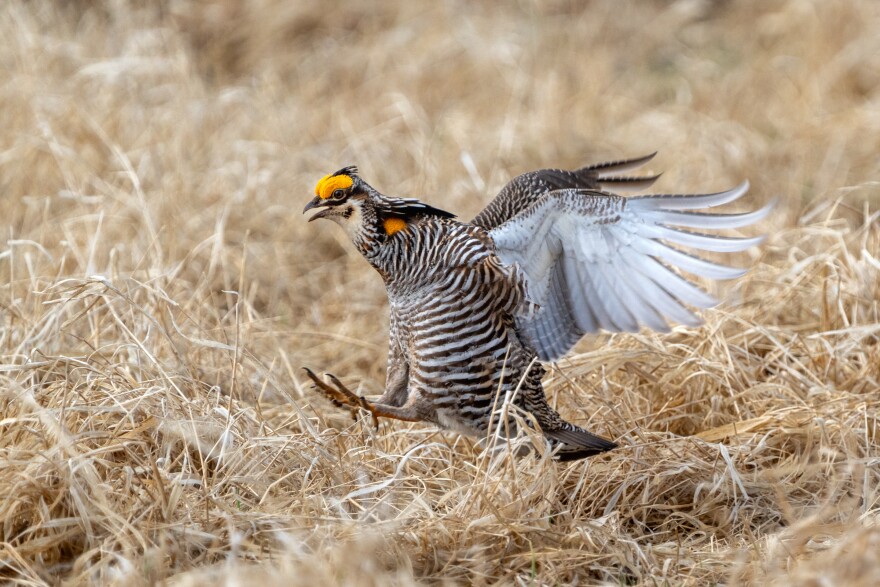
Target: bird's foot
x: 341, y: 396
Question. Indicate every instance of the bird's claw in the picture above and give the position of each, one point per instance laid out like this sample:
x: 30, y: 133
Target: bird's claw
x: 341, y: 396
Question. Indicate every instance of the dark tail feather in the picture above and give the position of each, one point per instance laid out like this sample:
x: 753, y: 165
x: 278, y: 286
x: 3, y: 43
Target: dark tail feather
x: 627, y: 183
x: 577, y: 443
x: 618, y: 167
x: 612, y: 175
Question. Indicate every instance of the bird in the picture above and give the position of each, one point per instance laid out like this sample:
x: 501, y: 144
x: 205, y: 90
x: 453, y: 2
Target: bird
x: 477, y: 308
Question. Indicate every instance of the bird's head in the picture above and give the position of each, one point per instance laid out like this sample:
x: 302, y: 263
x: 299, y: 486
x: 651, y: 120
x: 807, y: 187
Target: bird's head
x: 360, y: 210
x: 341, y: 197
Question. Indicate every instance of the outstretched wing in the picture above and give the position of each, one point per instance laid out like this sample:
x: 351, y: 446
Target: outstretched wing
x: 525, y: 190
x: 595, y: 260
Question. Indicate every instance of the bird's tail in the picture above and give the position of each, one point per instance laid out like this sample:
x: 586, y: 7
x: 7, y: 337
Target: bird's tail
x: 577, y: 443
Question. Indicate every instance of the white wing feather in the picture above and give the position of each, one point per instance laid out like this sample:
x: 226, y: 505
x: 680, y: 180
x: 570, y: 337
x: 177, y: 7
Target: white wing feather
x: 599, y: 261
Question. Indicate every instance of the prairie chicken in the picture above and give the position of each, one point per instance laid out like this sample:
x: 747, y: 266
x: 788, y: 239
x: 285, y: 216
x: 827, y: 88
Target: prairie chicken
x: 476, y: 305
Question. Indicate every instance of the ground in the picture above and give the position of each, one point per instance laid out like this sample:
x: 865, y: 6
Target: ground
x: 161, y: 292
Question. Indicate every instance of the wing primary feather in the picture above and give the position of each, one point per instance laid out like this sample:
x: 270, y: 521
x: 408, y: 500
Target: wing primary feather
x: 677, y: 285
x: 619, y: 302
x: 594, y: 295
x: 607, y: 298
x: 688, y: 262
x: 624, y: 302
x: 687, y: 201
x: 590, y: 317
x: 645, y: 311
x: 708, y: 220
x: 705, y: 242
x: 657, y: 295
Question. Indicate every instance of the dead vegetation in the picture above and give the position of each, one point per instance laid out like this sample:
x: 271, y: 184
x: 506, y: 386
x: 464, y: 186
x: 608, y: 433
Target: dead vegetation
x: 160, y: 292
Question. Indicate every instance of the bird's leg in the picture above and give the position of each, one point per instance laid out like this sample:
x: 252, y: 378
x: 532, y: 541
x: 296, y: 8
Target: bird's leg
x: 341, y: 396
x: 336, y: 397
x: 354, y: 400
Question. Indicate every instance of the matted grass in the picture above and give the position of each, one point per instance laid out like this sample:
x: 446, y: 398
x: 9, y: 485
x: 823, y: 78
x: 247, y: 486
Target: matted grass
x: 160, y: 292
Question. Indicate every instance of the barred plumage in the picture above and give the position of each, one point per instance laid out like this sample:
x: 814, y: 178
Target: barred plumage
x: 475, y: 305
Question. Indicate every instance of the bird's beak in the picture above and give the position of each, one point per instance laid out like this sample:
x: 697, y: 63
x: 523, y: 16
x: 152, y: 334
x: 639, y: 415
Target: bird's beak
x: 316, y: 203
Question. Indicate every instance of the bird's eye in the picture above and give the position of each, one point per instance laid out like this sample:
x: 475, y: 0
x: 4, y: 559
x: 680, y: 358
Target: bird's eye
x: 337, y: 194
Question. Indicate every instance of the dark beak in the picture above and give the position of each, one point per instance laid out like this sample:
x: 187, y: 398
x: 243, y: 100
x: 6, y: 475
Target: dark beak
x: 316, y: 203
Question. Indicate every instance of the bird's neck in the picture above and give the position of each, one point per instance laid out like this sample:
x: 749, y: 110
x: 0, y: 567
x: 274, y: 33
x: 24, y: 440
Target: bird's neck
x: 366, y: 235
x: 382, y: 251
x: 395, y: 251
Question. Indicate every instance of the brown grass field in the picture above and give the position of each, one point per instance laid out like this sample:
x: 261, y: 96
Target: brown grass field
x: 161, y: 291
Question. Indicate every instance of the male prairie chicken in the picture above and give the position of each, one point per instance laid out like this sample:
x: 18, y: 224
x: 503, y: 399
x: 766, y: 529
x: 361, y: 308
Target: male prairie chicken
x: 475, y: 305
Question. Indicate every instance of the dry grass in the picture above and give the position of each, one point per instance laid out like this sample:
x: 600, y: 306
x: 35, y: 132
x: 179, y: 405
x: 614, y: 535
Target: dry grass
x: 160, y: 291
